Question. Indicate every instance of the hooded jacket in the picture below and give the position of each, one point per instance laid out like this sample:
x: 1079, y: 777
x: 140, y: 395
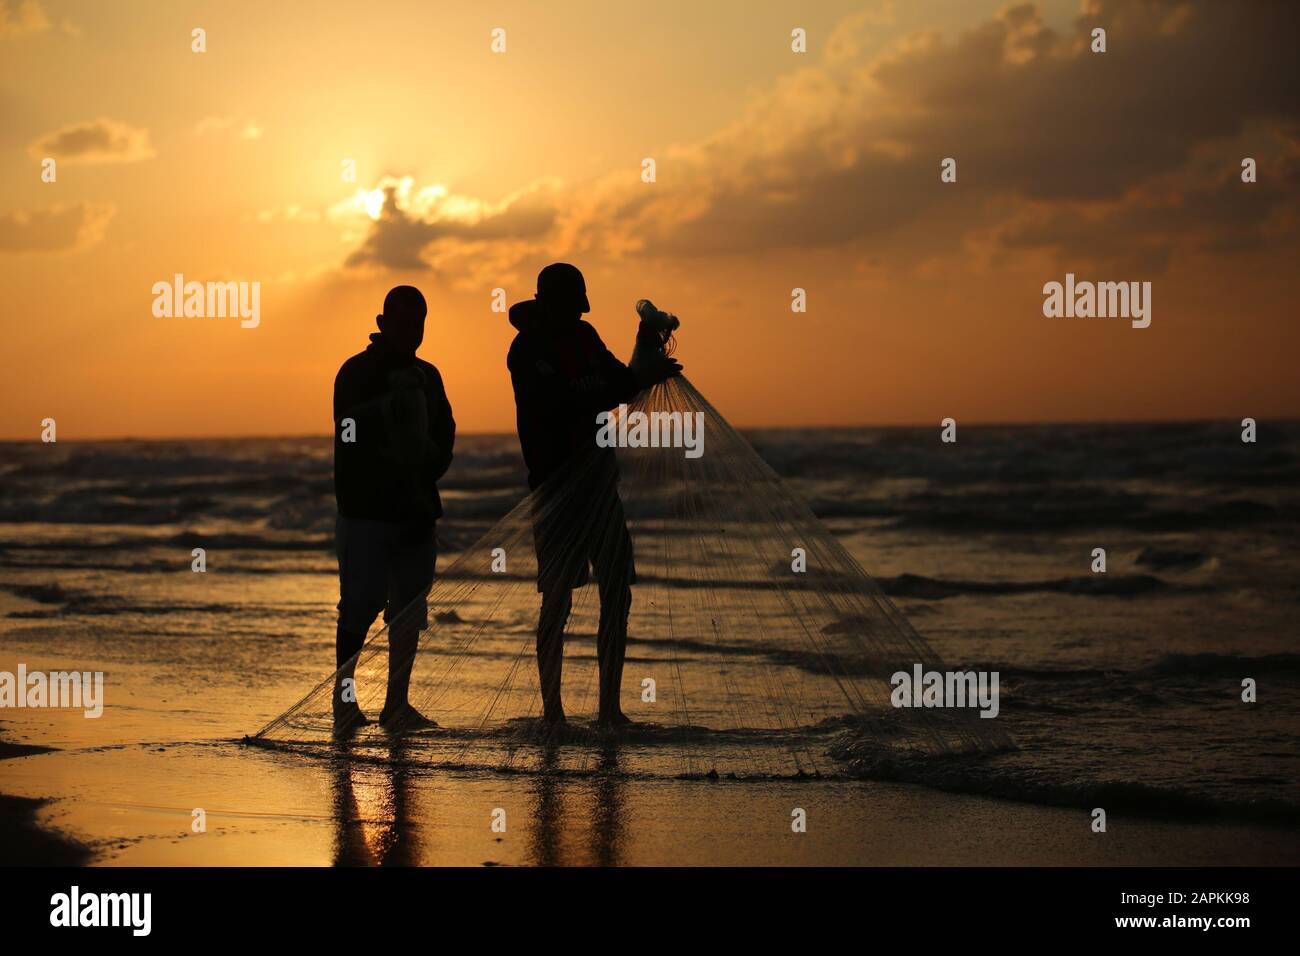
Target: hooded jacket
x: 563, y: 376
x: 379, y: 475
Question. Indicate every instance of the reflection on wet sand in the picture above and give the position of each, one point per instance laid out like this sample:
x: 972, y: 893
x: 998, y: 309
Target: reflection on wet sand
x: 552, y: 820
x: 376, y: 807
x: 611, y: 794
x: 372, y: 820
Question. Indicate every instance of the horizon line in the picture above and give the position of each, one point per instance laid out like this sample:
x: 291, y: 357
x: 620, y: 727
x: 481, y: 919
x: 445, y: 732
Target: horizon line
x: 1127, y: 422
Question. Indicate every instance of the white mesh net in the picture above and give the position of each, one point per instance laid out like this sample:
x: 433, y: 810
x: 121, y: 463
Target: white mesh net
x: 737, y: 663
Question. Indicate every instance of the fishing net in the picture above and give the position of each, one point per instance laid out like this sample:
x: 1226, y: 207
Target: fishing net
x: 755, y: 641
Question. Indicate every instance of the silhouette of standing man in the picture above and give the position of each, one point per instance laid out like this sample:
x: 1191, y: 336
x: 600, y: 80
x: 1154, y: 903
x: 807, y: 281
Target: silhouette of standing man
x: 393, y: 438
x: 563, y: 375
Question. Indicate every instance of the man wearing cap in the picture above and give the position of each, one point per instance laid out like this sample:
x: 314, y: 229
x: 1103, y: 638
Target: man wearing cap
x: 563, y: 376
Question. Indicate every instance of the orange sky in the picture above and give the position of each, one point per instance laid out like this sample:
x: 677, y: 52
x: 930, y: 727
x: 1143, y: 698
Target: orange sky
x: 775, y: 170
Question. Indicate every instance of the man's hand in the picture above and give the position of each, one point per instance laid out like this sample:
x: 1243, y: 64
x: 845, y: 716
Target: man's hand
x: 406, y: 416
x: 431, y: 449
x: 407, y: 403
x: 659, y: 369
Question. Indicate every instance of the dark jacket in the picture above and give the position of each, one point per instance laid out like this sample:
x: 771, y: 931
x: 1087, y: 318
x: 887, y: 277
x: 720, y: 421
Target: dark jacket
x: 372, y: 477
x: 562, y: 378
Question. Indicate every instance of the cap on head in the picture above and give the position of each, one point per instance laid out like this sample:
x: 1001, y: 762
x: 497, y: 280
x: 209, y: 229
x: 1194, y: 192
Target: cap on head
x: 560, y: 286
x: 402, y: 321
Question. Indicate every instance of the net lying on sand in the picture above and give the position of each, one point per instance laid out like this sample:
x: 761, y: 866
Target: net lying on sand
x: 736, y: 662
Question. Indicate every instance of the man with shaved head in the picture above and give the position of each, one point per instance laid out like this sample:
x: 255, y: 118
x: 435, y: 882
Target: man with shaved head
x: 393, y: 437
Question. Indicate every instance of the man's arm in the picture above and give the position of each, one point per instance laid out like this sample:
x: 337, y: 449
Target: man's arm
x: 442, y: 429
x: 622, y: 383
x: 540, y: 392
x: 367, y: 415
x: 548, y: 394
x: 617, y: 384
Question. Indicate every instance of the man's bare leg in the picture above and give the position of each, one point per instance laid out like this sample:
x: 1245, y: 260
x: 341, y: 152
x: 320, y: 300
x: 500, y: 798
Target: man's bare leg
x: 347, y: 714
x: 611, y: 648
x: 398, y: 714
x: 554, y: 615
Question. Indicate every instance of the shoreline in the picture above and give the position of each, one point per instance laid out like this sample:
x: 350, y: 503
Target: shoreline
x: 23, y: 841
x: 134, y: 805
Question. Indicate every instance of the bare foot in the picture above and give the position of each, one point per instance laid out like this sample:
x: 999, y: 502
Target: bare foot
x: 405, y: 718
x: 616, y: 719
x: 347, y: 718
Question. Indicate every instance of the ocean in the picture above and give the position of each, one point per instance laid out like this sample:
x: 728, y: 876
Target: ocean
x: 1122, y: 690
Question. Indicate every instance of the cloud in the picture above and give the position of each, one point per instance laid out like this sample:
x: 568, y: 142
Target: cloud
x: 98, y: 141
x: 407, y: 221
x: 290, y: 213
x: 1123, y: 156
x: 59, y: 228
x: 1200, y: 209
x: 22, y: 17
x: 849, y: 152
x: 243, y: 128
